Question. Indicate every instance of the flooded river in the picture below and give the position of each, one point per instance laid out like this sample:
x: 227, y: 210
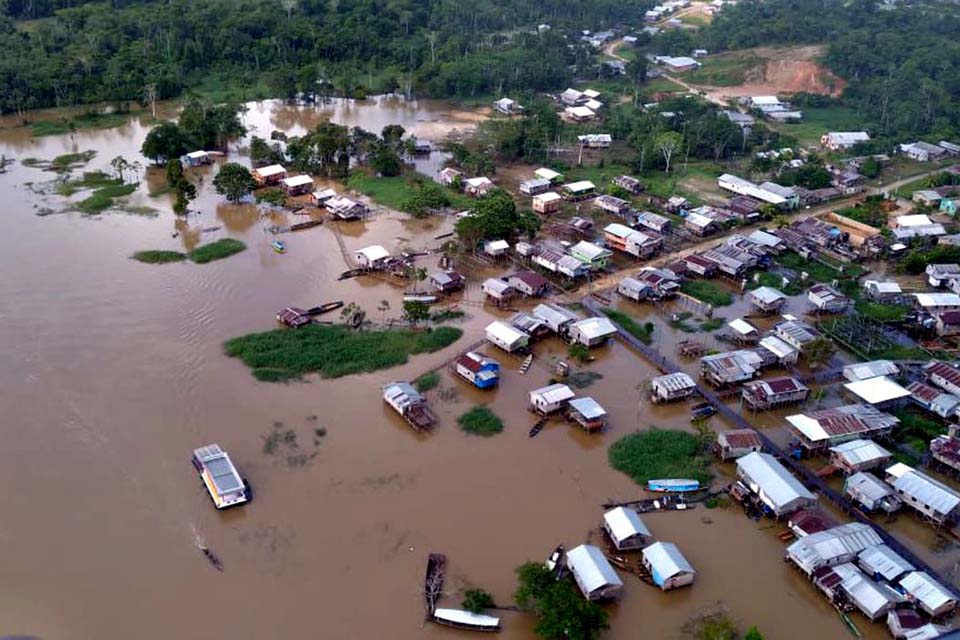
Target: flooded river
x: 114, y: 372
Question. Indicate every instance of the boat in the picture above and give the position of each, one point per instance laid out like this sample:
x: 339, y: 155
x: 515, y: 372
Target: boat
x: 702, y: 410
x: 460, y: 619
x: 326, y: 307
x: 212, y: 558
x: 300, y: 226
x: 555, y: 561
x: 433, y: 580
x: 279, y: 246
x: 293, y: 317
x: 425, y: 298
x: 220, y: 477
x: 537, y: 428
x: 679, y: 485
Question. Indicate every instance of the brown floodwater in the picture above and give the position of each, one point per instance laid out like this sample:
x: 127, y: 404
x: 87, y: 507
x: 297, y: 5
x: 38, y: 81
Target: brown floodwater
x: 115, y: 372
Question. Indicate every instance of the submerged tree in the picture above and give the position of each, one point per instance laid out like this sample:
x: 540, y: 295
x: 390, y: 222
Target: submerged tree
x: 164, y: 142
x: 560, y: 610
x: 234, y: 181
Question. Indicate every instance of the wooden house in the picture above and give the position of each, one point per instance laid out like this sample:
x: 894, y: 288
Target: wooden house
x: 667, y: 566
x: 547, y: 203
x: 528, y: 283
x: 587, y: 413
x: 626, y: 530
x: 859, y: 455
x: 629, y: 184
x: 297, y: 185
x: 760, y: 395
x: 508, y: 338
x: 592, y: 332
x: 576, y: 191
x: 269, y: 175
x: 446, y: 282
x: 477, y: 369
x: 498, y: 291
x: 736, y: 443
x: 551, y: 398
x: 371, y: 258
x: 611, y: 204
x: 535, y: 186
x: 477, y: 187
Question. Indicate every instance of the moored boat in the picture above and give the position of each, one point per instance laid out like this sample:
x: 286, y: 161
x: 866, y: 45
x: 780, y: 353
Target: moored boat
x: 460, y: 619
x: 220, y: 477
x: 679, y: 485
x: 279, y: 246
x: 300, y: 226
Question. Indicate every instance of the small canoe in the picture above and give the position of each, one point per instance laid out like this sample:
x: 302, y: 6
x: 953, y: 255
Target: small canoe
x: 326, y: 307
x: 678, y: 485
x: 300, y: 226
x: 554, y: 561
x: 279, y: 246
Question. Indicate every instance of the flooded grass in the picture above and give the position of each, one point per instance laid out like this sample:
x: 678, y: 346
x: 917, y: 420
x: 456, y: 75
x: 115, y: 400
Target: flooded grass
x: 659, y: 453
x: 583, y: 379
x: 767, y: 279
x: 642, y: 332
x: 427, y: 381
x: 68, y: 161
x: 816, y: 270
x: 332, y: 351
x: 86, y: 121
x: 90, y: 180
x: 102, y: 199
x: 394, y: 191
x: 712, y: 324
x: 159, y: 257
x: 706, y: 291
x: 217, y: 250
x: 480, y: 421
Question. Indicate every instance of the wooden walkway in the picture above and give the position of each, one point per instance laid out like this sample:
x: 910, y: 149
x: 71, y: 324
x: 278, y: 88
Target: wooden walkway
x: 808, y: 477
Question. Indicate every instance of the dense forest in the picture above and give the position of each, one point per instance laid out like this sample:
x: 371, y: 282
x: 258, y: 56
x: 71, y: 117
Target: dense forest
x: 61, y: 52
x: 902, y: 64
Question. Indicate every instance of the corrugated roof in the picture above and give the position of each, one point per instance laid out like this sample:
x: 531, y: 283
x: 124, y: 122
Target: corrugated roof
x: 598, y: 327
x: 505, y: 333
x: 926, y: 490
x: 767, y: 295
x: 623, y: 523
x: 554, y: 393
x: 592, y: 568
x: 883, y: 560
x: 861, y: 451
x: 877, y: 390
x: 776, y: 484
x: 742, y: 327
x: 678, y: 381
x: 823, y: 548
x: 740, y: 438
x: 589, y: 408
x: 666, y: 560
x: 869, y: 485
x: 842, y: 421
x: 777, y: 347
x: 925, y: 589
x: 873, y: 369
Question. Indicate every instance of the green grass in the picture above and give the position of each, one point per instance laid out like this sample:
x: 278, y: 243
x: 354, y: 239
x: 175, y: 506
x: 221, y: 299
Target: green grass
x: 816, y: 270
x: 427, y: 381
x: 332, y: 351
x: 820, y: 120
x: 725, y: 70
x: 881, y: 312
x: 230, y: 87
x: 642, y: 332
x: 706, y: 291
x: 659, y: 453
x: 393, y: 191
x: 216, y: 250
x: 86, y: 121
x: 90, y: 180
x: 102, y: 199
x: 916, y: 430
x: 155, y: 256
x: 480, y: 421
x: 712, y: 324
x: 908, y: 189
x: 658, y: 85
x: 767, y: 279
x: 68, y: 161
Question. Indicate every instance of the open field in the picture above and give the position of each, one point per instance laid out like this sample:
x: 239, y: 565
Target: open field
x: 819, y: 120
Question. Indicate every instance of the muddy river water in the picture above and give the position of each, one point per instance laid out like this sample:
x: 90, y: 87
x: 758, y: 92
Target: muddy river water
x: 113, y: 372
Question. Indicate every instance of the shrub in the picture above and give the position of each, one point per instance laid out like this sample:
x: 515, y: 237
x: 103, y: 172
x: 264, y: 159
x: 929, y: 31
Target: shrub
x: 708, y: 292
x: 427, y: 381
x: 658, y: 453
x: 159, y: 257
x: 476, y: 600
x: 217, y: 250
x: 480, y: 421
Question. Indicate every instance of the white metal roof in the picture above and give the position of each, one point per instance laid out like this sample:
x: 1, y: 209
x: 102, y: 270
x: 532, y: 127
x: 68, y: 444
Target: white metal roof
x: 598, y: 327
x: 580, y: 112
x: 592, y: 568
x: 884, y: 286
x: 505, y: 333
x: 496, y: 245
x: 589, y: 250
x: 698, y: 220
x: 297, y: 181
x: 914, y: 220
x: 776, y: 346
x: 877, y: 390
x: 554, y: 393
x: 460, y: 616
x: 938, y: 299
x: 885, y: 561
x: 925, y: 489
x: 764, y: 239
x: 928, y: 591
x: 848, y: 137
x: 666, y: 559
x: 272, y: 170
x: 867, y: 370
x: 588, y: 408
x: 196, y: 155
x: 674, y: 381
x: 860, y: 451
x: 618, y: 230
x: 591, y: 93
x: 547, y: 174
x: 776, y: 483
x: 593, y: 105
x: 554, y: 315
x: 549, y: 196
x: 495, y: 285
x: 582, y: 185
x: 374, y: 253
x: 623, y: 523
x: 869, y: 485
x: 870, y: 597
x: 768, y: 295
x: 824, y: 547
x: 742, y: 327
x: 481, y: 181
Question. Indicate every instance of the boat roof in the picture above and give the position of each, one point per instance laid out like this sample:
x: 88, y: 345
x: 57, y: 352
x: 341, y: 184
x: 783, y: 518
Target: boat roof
x: 624, y: 523
x: 666, y: 560
x: 217, y: 463
x: 459, y: 616
x: 592, y: 568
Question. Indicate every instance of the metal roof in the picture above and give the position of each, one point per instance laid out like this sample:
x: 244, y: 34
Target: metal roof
x: 883, y: 560
x: 297, y: 181
x: 495, y: 285
x: 582, y: 185
x: 777, y: 347
x: 848, y: 420
x: 767, y: 295
x: 549, y: 196
x: 623, y: 523
x: 778, y: 487
x: 925, y: 489
x: 598, y: 327
x: 937, y: 299
x: 220, y: 468
x: 930, y: 593
x: 618, y: 230
x: 554, y: 393
x: 867, y: 595
x: 547, y: 174
x: 825, y: 547
x: 374, y: 252
x: 877, y: 390
x: 678, y: 381
x: 589, y: 250
x: 553, y: 315
x: 590, y: 566
x: 869, y: 485
x: 860, y: 451
x: 272, y: 170
x: 873, y: 369
x: 666, y: 560
x: 459, y: 616
x: 589, y: 408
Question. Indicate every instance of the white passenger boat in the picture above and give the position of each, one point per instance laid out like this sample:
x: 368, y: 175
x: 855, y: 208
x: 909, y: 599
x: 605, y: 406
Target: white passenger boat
x: 220, y: 477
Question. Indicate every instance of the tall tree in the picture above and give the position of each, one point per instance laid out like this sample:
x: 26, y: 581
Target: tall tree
x: 234, y: 181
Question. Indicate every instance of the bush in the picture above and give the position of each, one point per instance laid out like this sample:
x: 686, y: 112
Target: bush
x: 273, y: 196
x: 217, y: 250
x: 708, y: 292
x: 480, y: 421
x: 643, y: 333
x: 427, y: 381
x: 159, y: 257
x: 476, y: 600
x: 102, y: 198
x: 658, y: 453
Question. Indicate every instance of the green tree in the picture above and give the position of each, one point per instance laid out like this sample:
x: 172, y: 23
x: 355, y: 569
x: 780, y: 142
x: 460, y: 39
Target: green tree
x: 234, y: 181
x: 495, y: 216
x: 753, y: 634
x: 870, y: 167
x: 385, y: 160
x: 477, y: 600
x: 262, y: 153
x: 560, y: 610
x: 164, y: 142
x: 415, y: 311
x: 667, y: 144
x: 183, y: 188
x: 425, y: 196
x: 819, y: 351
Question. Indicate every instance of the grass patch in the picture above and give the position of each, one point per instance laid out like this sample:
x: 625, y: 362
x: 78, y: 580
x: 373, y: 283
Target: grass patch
x: 642, y: 332
x: 427, y: 381
x: 712, y: 324
x: 67, y: 161
x: 816, y: 270
x: 724, y: 70
x: 706, y: 291
x: 881, y: 312
x: 659, y: 453
x: 87, y: 121
x: 90, y: 180
x: 332, y: 351
x: 394, y: 191
x: 217, y: 250
x: 480, y: 421
x: 767, y: 279
x: 159, y: 257
x: 446, y: 315
x: 583, y: 379
x: 102, y: 199
x: 818, y: 120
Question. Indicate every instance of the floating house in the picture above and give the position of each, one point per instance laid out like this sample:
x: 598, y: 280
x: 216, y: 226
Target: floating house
x: 880, y: 562
x: 870, y: 492
x: 672, y: 386
x: 498, y: 291
x: 928, y: 594
x: 594, y: 575
x: 528, y: 283
x: 220, y: 477
x: 446, y: 282
x: 771, y: 483
x: 477, y: 369
x: 859, y: 455
x: 269, y: 175
x: 931, y: 498
x: 507, y: 337
x: 587, y: 413
x: 591, y: 255
x: 372, y: 258
x: 667, y: 566
x: 411, y: 406
x: 592, y: 332
x: 557, y: 318
x: 551, y: 398
x: 737, y: 443
x: 760, y: 395
x: 297, y: 185
x: 547, y: 203
x: 826, y: 428
x: 625, y: 529
x: 834, y: 546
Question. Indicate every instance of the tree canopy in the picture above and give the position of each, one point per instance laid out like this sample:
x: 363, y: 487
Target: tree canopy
x: 560, y: 609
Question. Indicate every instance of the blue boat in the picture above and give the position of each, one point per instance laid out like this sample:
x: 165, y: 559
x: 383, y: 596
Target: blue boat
x: 279, y: 246
x: 673, y: 485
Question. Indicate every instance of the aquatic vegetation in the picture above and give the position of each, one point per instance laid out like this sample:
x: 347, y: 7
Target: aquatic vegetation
x: 427, y: 381
x: 216, y: 250
x: 102, y: 199
x: 480, y: 421
x: 659, y: 453
x: 642, y: 332
x: 332, y: 351
x: 708, y: 292
x: 159, y: 256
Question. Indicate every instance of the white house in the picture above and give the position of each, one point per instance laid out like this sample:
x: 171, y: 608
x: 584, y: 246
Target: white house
x: 551, y: 398
x: 506, y: 337
x: 594, y: 575
x: 625, y: 528
x: 371, y: 257
x: 843, y: 140
x: 667, y: 566
x: 592, y: 332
